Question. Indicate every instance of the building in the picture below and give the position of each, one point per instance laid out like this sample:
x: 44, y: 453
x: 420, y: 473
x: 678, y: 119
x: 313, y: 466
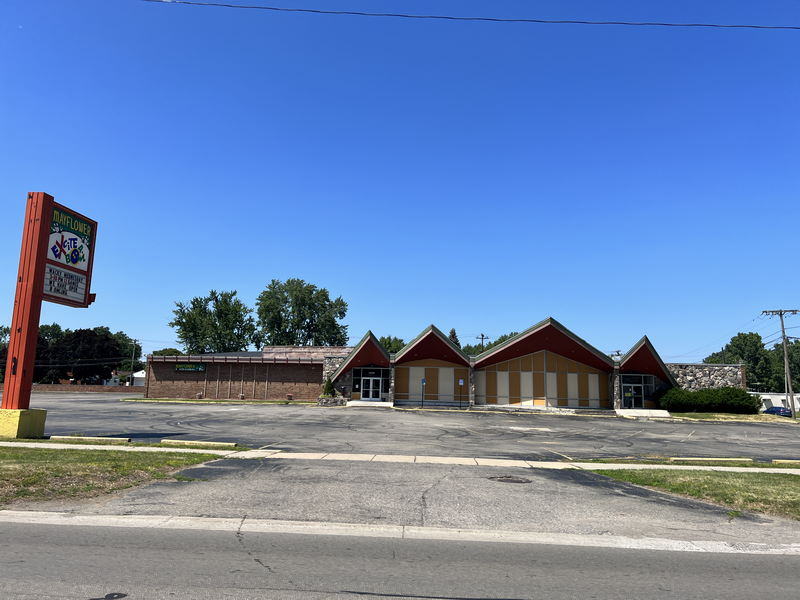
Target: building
x: 546, y: 366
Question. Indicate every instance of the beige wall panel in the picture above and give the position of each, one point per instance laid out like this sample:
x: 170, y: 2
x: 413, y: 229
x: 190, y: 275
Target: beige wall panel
x: 480, y: 387
x: 401, y: 380
x: 415, y: 375
x: 502, y: 387
x: 431, y: 383
x: 526, y: 385
x: 538, y: 385
x: 583, y: 385
x: 538, y: 361
x: 551, y: 382
x: 514, y: 387
x: 462, y: 391
x: 430, y: 362
x: 514, y: 365
x: 447, y: 379
x: 526, y: 363
x: 593, y: 381
x: 572, y: 386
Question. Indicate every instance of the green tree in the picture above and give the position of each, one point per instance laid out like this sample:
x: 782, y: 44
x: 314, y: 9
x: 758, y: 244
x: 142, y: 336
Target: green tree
x: 777, y: 381
x: 391, y: 344
x: 219, y: 322
x: 4, y: 334
x: 454, y: 337
x: 167, y: 352
x: 296, y: 313
x: 88, y: 355
x: 130, y: 348
x: 747, y: 348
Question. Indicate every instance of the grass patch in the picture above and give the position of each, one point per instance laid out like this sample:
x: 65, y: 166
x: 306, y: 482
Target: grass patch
x: 41, y: 474
x: 198, y: 446
x: 703, y: 463
x: 760, y: 418
x: 770, y: 493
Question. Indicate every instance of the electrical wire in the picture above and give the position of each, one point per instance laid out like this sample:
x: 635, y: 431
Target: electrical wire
x: 358, y: 13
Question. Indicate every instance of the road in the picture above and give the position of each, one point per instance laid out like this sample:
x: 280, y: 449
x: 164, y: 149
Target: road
x: 88, y: 563
x: 339, y: 429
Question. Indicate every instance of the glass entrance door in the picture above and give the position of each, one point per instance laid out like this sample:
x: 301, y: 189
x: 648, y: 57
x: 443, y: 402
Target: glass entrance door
x: 632, y: 395
x: 370, y: 388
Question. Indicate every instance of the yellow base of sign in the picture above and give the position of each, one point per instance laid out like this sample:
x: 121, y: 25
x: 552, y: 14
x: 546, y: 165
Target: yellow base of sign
x: 16, y: 423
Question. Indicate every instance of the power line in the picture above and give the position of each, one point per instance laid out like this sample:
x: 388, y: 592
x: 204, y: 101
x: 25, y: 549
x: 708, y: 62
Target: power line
x: 358, y: 13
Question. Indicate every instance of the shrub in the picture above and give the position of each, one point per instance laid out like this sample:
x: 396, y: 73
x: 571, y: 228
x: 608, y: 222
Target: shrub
x: 327, y: 389
x: 726, y: 399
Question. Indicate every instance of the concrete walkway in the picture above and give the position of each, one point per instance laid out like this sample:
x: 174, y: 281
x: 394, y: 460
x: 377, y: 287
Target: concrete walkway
x: 406, y: 458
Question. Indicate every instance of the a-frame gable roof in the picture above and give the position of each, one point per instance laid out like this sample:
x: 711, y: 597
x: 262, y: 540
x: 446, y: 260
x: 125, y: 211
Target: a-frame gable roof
x: 546, y: 335
x: 643, y: 358
x: 431, y: 343
x: 368, y: 351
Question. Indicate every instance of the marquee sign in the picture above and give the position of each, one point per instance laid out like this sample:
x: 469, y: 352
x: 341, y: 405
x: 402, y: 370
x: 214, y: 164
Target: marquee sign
x: 70, y: 256
x: 55, y: 264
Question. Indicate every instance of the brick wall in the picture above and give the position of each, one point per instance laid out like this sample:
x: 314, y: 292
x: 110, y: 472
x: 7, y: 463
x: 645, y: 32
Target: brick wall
x: 228, y: 380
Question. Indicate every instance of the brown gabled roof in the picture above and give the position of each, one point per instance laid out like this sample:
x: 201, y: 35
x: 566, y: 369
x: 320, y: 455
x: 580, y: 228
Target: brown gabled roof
x: 546, y: 335
x: 643, y: 358
x: 431, y: 343
x: 368, y: 351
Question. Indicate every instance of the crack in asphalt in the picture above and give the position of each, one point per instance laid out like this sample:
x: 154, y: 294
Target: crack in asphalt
x: 423, y: 498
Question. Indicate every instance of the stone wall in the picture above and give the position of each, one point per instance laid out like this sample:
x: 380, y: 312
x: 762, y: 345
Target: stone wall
x: 257, y: 381
x: 694, y: 376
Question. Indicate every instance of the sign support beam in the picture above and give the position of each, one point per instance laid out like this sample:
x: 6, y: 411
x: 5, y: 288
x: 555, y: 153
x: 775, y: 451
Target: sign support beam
x: 27, y: 303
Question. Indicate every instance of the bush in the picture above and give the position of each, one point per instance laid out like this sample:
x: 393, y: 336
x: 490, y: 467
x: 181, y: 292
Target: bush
x: 328, y: 390
x: 726, y: 399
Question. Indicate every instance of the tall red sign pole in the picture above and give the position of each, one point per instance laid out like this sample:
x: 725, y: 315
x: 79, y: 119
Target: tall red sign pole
x: 27, y: 303
x: 55, y: 264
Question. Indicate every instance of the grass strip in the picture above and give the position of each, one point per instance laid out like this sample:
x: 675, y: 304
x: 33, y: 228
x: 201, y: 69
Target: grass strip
x: 770, y: 493
x: 702, y: 463
x: 197, y: 446
x: 760, y: 418
x: 42, y: 474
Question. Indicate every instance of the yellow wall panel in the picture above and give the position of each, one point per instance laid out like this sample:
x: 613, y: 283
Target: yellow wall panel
x: 431, y: 383
x: 513, y: 386
x: 503, y: 366
x: 401, y: 380
x: 583, y: 402
x: 583, y: 385
x: 538, y: 361
x: 540, y: 401
x: 491, y: 384
x: 562, y: 384
x: 430, y: 362
x: 526, y: 363
x: 538, y: 385
x: 513, y: 365
x: 603, y: 387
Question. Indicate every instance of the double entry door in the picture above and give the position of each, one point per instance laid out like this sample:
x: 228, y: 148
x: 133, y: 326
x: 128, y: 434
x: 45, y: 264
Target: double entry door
x: 632, y: 395
x: 370, y: 388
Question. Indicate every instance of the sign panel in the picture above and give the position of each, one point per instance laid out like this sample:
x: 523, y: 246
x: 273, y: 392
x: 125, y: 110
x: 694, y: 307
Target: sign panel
x: 69, y: 258
x: 190, y: 367
x: 65, y: 284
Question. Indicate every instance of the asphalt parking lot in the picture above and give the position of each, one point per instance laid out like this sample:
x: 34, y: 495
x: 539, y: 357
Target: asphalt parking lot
x: 450, y: 433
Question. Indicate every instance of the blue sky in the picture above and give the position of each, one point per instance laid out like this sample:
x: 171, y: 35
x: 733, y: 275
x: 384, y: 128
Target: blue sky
x: 477, y: 176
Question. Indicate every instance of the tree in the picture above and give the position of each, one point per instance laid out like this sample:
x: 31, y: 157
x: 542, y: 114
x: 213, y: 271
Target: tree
x: 454, y: 337
x: 475, y: 349
x: 130, y: 348
x: 296, y: 313
x: 219, y: 322
x: 747, y: 348
x: 4, y: 334
x: 87, y: 354
x: 167, y: 352
x: 391, y: 344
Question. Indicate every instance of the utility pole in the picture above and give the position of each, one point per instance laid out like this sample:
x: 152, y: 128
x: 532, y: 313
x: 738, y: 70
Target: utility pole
x: 133, y: 357
x: 481, y: 337
x: 787, y: 368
